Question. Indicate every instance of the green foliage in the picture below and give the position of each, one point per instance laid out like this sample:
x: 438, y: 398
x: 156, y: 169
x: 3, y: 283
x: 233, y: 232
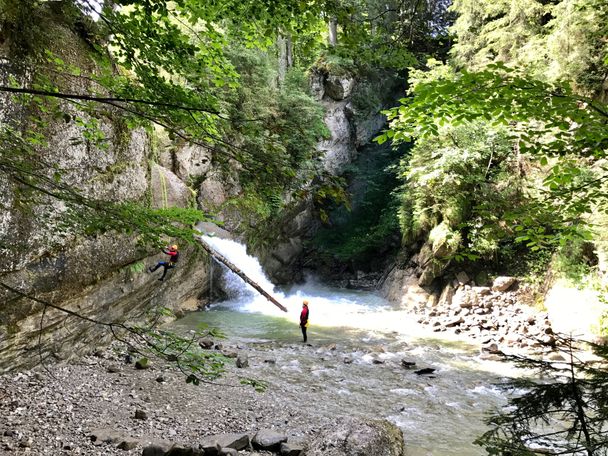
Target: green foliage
x: 288, y: 123
x: 361, y: 233
x: 335, y: 64
x: 259, y: 385
x: 138, y: 266
x: 560, y: 40
x: 390, y: 34
x: 575, y: 261
x: 545, y: 122
x: 565, y: 413
x: 197, y: 365
x: 459, y: 189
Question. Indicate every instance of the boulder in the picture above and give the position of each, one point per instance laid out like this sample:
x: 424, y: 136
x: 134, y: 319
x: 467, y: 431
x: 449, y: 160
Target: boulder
x: 206, y: 343
x: 355, y: 437
x: 140, y: 415
x: 462, y: 278
x: 465, y: 298
x: 454, y: 321
x: 110, y: 436
x: 268, y: 439
x: 236, y: 441
x: 445, y: 300
x: 128, y: 444
x: 503, y: 283
x: 156, y: 449
x: 184, y: 451
x: 407, y: 364
x: 143, y: 363
x: 242, y: 361
x: 291, y: 449
x: 230, y: 353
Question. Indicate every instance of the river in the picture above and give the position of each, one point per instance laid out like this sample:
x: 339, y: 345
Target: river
x: 352, y: 365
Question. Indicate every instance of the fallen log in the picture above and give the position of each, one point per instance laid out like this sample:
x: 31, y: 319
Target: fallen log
x: 222, y: 259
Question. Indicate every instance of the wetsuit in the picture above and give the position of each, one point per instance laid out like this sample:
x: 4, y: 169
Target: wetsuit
x: 173, y: 257
x: 304, y: 321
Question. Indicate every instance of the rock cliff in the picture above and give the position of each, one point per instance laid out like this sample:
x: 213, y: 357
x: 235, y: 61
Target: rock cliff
x: 102, y: 277
x: 351, y: 128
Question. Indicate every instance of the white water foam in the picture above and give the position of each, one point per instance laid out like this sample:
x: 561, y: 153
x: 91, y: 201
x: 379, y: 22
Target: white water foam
x: 351, y: 308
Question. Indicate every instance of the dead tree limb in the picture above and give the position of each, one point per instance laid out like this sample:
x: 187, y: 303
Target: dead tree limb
x: 222, y: 259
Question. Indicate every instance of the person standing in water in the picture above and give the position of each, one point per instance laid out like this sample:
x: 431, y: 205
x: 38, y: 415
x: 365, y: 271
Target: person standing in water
x: 304, y: 319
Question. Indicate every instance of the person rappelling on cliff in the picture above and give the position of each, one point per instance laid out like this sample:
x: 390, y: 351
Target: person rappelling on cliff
x: 173, y: 257
x: 304, y: 318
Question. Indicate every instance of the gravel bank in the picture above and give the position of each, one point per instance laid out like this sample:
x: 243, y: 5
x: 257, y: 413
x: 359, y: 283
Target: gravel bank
x: 58, y: 411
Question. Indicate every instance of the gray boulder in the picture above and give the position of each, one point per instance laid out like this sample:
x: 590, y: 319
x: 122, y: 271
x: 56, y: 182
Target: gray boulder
x: 358, y: 438
x: 242, y: 361
x: 184, y: 451
x: 268, y: 439
x: 236, y: 441
x: 110, y: 436
x: 503, y: 283
x: 292, y: 449
x: 156, y: 449
x: 128, y: 444
x: 206, y: 343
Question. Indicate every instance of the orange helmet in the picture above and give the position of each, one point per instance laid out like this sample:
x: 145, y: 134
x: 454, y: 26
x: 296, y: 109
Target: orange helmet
x: 305, y: 302
x: 174, y: 247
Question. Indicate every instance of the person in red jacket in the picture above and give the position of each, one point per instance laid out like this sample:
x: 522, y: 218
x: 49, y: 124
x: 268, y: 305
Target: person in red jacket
x: 304, y: 318
x: 173, y: 257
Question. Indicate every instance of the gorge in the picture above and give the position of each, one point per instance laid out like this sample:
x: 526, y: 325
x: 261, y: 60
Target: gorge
x: 388, y: 161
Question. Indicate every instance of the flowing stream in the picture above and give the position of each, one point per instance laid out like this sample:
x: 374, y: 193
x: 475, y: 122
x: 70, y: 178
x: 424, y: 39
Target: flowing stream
x: 352, y: 366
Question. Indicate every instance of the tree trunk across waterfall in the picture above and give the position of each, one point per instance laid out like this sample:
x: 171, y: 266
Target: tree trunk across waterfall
x: 219, y: 257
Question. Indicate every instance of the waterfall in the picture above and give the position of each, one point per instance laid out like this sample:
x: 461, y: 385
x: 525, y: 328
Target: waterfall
x: 237, y: 254
x: 345, y: 308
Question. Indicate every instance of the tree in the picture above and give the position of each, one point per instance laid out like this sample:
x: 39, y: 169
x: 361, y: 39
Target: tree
x: 564, y: 413
x: 554, y: 41
x: 546, y: 121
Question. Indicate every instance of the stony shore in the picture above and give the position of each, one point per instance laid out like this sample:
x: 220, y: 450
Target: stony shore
x: 103, y: 405
x: 62, y: 410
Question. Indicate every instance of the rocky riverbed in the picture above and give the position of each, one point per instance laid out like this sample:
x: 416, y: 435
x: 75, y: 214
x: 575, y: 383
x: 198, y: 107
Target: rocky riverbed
x: 102, y: 405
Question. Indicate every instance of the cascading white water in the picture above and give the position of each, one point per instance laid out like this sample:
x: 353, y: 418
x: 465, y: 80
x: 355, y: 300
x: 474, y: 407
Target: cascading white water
x: 349, y: 308
x: 237, y: 254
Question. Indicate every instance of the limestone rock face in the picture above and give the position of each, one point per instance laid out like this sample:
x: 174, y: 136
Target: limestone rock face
x: 339, y: 87
x: 191, y: 161
x: 349, y: 131
x: 317, y: 84
x: 339, y: 149
x: 168, y: 190
x: 401, y: 287
x: 358, y: 438
x: 104, y: 276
